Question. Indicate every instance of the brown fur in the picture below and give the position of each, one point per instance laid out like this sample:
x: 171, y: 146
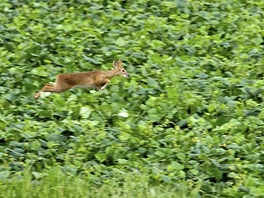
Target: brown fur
x: 93, y: 79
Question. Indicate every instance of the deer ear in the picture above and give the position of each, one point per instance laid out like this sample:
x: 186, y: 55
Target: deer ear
x: 114, y: 64
x: 119, y: 63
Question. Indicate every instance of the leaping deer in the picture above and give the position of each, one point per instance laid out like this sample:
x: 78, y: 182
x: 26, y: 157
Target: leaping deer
x: 93, y: 79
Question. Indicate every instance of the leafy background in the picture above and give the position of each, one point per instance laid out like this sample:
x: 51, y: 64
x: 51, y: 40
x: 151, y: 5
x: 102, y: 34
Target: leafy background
x: 191, y: 112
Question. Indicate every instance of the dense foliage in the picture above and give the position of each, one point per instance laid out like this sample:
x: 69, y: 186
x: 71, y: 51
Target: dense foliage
x: 191, y: 112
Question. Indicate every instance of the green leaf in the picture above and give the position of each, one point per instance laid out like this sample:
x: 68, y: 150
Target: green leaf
x: 85, y: 111
x: 176, y: 166
x: 101, y: 157
x: 257, y: 40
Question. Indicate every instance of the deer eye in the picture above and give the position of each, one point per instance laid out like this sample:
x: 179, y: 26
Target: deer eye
x: 123, y: 70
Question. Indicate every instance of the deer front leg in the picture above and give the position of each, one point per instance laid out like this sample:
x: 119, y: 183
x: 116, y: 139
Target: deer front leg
x: 104, y: 86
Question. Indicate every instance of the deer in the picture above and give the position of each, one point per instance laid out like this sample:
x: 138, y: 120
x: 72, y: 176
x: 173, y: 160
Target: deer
x: 96, y: 79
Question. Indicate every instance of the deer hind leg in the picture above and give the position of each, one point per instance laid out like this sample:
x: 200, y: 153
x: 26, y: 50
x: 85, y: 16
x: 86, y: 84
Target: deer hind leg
x: 49, y: 87
x: 58, y: 86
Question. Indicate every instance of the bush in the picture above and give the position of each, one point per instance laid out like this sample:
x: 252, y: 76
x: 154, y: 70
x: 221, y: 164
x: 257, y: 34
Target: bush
x: 191, y: 112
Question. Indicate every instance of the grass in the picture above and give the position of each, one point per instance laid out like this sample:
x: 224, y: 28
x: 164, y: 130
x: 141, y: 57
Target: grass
x: 57, y: 184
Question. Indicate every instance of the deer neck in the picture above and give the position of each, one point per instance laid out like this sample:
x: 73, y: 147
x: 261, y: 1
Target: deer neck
x: 112, y: 73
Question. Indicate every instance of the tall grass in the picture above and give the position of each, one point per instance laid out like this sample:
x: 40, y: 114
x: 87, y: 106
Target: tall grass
x: 56, y: 184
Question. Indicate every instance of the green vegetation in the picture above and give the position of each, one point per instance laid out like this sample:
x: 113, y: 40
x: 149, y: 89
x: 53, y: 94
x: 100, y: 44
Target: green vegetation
x: 189, y: 122
x: 56, y: 184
